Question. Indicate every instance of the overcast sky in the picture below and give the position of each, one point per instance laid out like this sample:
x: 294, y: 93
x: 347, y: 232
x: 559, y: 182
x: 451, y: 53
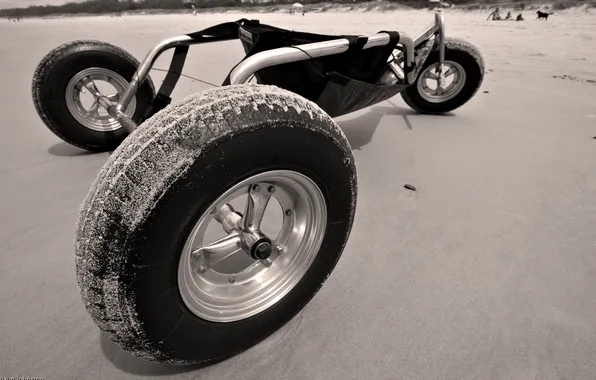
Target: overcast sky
x: 26, y: 3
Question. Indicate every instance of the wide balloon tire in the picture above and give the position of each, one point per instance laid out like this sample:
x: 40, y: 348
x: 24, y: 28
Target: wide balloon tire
x: 58, y: 83
x: 138, y: 273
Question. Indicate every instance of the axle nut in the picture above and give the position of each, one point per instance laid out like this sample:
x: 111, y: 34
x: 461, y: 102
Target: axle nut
x: 263, y: 251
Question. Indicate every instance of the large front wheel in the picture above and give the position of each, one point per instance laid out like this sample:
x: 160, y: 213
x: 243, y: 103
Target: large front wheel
x: 215, y: 223
x: 463, y: 70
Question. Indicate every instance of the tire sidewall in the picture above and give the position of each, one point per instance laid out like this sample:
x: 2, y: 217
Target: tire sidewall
x: 155, y: 247
x: 53, y: 98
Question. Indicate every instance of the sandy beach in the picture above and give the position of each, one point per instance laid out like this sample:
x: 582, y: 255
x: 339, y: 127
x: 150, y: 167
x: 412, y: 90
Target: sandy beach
x: 486, y: 272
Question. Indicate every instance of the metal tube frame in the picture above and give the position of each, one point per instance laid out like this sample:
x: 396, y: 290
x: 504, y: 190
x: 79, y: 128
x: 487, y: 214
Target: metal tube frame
x: 243, y: 71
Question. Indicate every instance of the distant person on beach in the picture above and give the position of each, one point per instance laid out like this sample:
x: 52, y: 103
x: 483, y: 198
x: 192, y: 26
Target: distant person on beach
x: 519, y: 17
x: 508, y: 17
x: 496, y: 15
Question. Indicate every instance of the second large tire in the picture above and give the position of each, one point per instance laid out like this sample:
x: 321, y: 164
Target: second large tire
x: 51, y: 82
x: 164, y: 177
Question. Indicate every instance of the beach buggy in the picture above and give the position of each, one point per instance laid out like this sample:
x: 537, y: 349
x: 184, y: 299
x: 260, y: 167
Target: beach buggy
x: 218, y: 217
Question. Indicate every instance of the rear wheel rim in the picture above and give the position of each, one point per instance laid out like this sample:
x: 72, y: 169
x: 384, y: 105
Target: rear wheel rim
x: 213, y: 295
x: 428, y: 82
x: 83, y: 105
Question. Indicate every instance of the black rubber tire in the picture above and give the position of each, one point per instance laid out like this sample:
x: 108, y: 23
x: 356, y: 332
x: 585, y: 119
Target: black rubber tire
x: 456, y: 50
x: 50, y: 81
x: 146, y: 199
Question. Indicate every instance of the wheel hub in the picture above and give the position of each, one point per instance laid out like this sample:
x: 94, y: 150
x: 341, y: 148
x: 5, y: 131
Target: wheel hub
x: 275, y: 261
x: 90, y: 92
x: 440, y: 83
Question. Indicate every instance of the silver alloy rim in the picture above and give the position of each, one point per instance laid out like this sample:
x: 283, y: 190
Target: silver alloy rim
x: 428, y: 84
x: 94, y: 116
x: 219, y: 296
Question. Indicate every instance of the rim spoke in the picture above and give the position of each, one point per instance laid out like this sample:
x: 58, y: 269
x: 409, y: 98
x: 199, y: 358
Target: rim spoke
x: 94, y: 110
x: 450, y: 71
x: 79, y: 86
x: 431, y: 74
x: 89, y: 84
x: 114, y: 97
x: 256, y: 203
x: 209, y: 255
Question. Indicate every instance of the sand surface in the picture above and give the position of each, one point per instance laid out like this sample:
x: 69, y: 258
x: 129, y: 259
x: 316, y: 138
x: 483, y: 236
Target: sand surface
x: 488, y: 271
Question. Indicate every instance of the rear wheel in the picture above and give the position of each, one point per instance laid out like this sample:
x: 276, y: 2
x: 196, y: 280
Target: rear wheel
x: 213, y: 225
x: 66, y: 86
x: 463, y: 70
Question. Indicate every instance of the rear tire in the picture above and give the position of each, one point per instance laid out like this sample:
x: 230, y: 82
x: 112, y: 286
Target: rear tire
x: 468, y: 65
x: 57, y: 95
x: 133, y: 231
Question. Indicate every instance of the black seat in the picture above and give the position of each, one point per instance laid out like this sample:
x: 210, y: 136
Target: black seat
x: 310, y: 77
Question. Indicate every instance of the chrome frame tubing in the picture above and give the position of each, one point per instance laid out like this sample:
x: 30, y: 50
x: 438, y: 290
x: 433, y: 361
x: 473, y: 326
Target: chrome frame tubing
x: 437, y: 27
x: 243, y: 71
x: 248, y: 67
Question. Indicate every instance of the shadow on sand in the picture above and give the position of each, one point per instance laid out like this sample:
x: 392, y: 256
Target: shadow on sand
x: 361, y: 129
x: 128, y: 363
x: 254, y: 360
x: 63, y: 149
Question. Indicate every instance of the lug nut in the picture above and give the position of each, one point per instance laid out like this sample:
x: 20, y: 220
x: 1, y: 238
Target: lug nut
x: 232, y: 279
x: 271, y: 189
x: 202, y: 269
x: 279, y: 248
x: 267, y: 262
x: 256, y: 188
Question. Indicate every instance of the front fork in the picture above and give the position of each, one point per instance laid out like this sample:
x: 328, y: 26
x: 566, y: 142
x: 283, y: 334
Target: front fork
x: 435, y: 35
x: 440, y: 20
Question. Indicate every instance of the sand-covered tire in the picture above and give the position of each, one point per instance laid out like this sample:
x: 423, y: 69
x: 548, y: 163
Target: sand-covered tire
x: 134, y: 237
x: 64, y: 108
x: 465, y: 65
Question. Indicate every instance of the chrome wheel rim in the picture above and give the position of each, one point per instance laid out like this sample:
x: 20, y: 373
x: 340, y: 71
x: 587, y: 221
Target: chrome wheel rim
x: 429, y: 85
x: 82, y: 100
x: 220, y: 292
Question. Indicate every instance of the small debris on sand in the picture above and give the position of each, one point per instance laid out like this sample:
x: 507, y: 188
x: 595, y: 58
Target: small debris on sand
x: 410, y: 187
x: 575, y: 79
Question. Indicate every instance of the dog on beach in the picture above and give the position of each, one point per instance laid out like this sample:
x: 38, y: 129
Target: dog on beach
x: 542, y: 15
